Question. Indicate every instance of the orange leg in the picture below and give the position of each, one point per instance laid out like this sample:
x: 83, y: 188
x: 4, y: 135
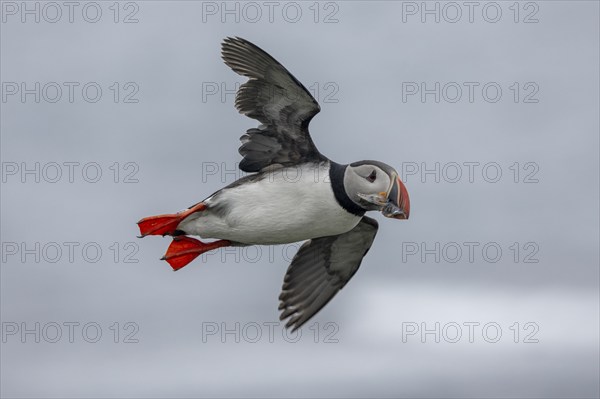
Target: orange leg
x: 184, y: 249
x: 166, y: 224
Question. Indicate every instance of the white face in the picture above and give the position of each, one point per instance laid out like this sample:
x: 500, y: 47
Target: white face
x: 365, y: 184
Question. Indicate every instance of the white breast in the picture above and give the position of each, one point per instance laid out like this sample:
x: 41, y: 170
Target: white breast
x: 289, y: 205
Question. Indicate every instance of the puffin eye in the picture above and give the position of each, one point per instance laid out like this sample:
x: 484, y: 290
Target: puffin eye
x: 372, y: 176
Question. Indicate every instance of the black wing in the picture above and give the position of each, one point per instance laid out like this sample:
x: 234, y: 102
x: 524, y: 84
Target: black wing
x: 320, y: 269
x: 276, y: 99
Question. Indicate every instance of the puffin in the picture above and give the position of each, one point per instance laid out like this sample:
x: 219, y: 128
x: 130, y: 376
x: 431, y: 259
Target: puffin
x: 291, y: 193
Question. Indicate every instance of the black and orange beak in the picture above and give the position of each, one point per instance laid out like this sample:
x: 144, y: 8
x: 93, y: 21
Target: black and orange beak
x: 398, y: 205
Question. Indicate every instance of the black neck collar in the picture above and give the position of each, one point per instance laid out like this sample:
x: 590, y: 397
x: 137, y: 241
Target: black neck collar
x: 336, y: 175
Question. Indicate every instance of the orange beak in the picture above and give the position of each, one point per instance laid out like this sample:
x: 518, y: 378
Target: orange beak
x: 398, y: 206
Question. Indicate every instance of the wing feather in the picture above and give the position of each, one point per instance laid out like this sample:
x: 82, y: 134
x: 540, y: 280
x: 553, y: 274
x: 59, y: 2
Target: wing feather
x: 320, y: 269
x: 275, y: 98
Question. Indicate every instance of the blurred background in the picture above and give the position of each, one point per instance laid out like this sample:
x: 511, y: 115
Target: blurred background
x: 113, y: 111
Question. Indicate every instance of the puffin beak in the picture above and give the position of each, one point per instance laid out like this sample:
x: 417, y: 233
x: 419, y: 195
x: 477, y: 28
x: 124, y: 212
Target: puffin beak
x: 398, y: 203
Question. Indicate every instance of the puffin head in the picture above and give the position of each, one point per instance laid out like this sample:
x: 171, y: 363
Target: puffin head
x: 376, y: 186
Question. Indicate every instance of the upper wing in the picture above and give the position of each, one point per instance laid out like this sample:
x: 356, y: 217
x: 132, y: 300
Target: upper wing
x: 276, y: 99
x: 320, y: 269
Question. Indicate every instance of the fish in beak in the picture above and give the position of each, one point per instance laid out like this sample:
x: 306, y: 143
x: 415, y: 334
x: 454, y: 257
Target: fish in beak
x: 398, y: 203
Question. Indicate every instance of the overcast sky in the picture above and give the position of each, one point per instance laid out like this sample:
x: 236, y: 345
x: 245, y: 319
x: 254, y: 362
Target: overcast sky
x: 488, y: 110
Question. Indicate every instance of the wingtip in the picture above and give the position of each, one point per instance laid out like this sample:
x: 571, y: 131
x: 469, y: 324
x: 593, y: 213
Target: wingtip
x: 292, y: 325
x: 231, y: 40
x: 226, y: 41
